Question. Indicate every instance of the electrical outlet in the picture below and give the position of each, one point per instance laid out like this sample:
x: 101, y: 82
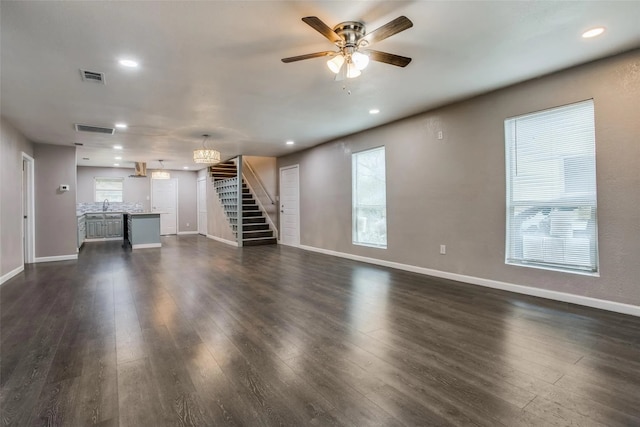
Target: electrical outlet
x: 187, y: 224
x: 443, y: 249
x: 440, y: 135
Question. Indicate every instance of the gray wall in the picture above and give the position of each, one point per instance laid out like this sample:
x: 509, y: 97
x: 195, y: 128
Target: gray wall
x: 187, y: 200
x: 452, y: 191
x: 13, y: 144
x: 138, y: 190
x: 56, y: 224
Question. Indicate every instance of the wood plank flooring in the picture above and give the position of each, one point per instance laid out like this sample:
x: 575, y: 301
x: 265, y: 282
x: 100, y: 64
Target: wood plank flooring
x: 199, y: 333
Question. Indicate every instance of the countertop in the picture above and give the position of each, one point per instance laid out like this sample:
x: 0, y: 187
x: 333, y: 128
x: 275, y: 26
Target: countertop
x: 144, y: 213
x: 79, y: 214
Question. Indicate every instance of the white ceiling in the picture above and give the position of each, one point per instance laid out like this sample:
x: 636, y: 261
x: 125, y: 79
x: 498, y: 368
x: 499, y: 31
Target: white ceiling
x: 214, y: 67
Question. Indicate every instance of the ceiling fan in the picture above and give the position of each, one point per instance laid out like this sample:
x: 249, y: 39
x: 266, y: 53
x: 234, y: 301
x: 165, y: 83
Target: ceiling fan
x: 352, y: 40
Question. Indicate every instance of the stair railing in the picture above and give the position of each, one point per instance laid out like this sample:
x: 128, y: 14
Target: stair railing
x: 266, y: 215
x: 259, y: 181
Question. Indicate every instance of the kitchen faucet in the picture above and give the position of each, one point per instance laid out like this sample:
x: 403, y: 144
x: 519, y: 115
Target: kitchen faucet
x: 105, y: 205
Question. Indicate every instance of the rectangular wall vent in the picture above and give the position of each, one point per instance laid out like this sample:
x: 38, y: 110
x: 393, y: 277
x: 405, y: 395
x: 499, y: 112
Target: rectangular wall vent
x: 94, y: 129
x: 92, y: 76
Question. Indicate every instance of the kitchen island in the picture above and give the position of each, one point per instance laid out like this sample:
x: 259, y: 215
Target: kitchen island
x: 143, y: 230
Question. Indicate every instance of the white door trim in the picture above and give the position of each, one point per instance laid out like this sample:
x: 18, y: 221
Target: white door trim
x: 280, y: 221
x: 29, y: 232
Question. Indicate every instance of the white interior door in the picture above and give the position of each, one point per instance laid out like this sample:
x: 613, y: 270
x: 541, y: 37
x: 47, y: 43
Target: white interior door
x: 290, y: 206
x: 28, y: 222
x: 202, y: 206
x: 164, y: 199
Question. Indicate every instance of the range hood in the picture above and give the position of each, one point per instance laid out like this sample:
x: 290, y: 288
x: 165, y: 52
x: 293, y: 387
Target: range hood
x: 141, y: 170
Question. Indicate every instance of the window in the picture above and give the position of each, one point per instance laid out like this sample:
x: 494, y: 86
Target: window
x: 369, y: 198
x: 108, y: 188
x: 551, y: 189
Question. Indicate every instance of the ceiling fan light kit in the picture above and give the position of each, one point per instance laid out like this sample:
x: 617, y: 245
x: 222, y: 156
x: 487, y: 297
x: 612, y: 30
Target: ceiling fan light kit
x: 351, y: 39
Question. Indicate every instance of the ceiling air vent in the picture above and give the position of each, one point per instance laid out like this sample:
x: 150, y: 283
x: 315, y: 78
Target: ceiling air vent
x: 92, y: 76
x: 94, y: 129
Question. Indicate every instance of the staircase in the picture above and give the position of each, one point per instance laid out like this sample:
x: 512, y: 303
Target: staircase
x: 255, y: 228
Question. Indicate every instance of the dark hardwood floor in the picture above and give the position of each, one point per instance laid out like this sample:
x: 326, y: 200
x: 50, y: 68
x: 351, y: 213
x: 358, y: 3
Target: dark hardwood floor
x: 201, y: 333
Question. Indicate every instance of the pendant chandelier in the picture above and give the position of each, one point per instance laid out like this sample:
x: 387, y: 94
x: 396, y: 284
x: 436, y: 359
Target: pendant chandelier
x: 161, y: 174
x: 205, y: 155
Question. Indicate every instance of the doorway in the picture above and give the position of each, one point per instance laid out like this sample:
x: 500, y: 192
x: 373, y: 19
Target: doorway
x: 290, y: 205
x: 28, y: 210
x: 202, y: 206
x: 164, y: 199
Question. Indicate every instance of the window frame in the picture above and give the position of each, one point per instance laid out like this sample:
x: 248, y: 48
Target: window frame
x: 555, y: 206
x: 96, y: 179
x: 354, y: 203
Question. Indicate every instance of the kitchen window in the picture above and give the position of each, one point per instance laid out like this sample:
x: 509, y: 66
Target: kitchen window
x: 369, y: 198
x: 111, y: 189
x: 551, y: 189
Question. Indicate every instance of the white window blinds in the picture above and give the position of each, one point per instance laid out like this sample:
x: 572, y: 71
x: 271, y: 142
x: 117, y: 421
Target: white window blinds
x: 369, y: 198
x: 551, y: 189
x: 108, y: 188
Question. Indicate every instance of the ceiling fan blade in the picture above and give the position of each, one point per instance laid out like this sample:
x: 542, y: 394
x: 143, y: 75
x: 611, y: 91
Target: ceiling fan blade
x: 308, y: 56
x: 388, y: 58
x: 399, y: 24
x: 315, y: 23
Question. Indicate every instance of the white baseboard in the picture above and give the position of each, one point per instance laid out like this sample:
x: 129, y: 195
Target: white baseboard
x: 617, y: 307
x: 220, y: 239
x: 180, y: 233
x: 104, y: 239
x: 146, y: 245
x: 11, y: 274
x: 57, y: 258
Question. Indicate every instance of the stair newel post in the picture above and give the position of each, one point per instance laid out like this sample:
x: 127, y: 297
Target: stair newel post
x: 240, y: 205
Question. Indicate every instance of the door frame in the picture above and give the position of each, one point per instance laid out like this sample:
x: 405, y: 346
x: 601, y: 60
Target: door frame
x: 198, y: 181
x: 280, y: 219
x: 28, y: 201
x: 177, y: 205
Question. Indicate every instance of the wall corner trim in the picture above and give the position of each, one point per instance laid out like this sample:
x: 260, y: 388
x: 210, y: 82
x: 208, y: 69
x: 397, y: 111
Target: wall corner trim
x: 11, y: 274
x: 180, y: 233
x: 220, y: 239
x: 613, y: 306
x: 57, y: 258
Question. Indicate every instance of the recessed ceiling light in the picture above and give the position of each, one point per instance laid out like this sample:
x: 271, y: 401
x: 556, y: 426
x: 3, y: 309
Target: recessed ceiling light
x: 121, y: 125
x: 374, y: 111
x: 185, y: 167
x: 128, y: 63
x: 117, y: 147
x: 594, y: 32
x: 118, y: 158
x: 290, y: 142
x: 116, y: 164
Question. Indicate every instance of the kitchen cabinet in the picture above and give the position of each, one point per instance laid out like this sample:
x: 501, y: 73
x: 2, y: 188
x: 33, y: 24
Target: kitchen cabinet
x: 143, y: 230
x: 103, y: 226
x: 113, y: 225
x: 81, y: 230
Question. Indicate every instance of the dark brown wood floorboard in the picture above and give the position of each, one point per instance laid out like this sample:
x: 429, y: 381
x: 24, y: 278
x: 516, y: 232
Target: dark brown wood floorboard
x: 199, y: 333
